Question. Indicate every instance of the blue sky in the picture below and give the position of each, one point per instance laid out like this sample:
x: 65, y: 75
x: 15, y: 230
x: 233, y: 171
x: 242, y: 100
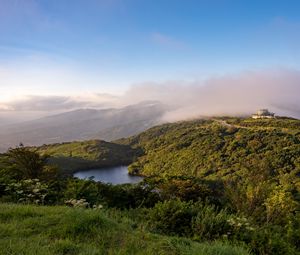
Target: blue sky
x: 79, y: 46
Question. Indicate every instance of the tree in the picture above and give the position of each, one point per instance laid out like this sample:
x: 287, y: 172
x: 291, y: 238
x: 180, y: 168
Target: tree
x: 280, y: 205
x: 27, y: 162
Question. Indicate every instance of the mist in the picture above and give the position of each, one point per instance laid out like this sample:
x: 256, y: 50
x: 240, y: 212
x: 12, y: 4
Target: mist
x: 235, y: 95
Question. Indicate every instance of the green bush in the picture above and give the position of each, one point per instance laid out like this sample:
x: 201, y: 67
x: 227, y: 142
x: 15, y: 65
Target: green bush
x: 210, y: 224
x: 27, y: 191
x: 270, y: 240
x: 172, y: 217
x: 82, y: 189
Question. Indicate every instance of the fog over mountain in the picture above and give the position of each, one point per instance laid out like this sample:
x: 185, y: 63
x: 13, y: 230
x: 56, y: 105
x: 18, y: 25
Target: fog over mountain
x: 110, y: 117
x: 241, y: 94
x: 83, y: 124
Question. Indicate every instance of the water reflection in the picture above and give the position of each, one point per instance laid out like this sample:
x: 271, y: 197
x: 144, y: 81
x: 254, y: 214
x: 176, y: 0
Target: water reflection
x: 114, y: 175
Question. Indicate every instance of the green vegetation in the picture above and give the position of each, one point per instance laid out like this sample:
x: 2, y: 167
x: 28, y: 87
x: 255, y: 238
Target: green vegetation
x: 213, y: 187
x: 27, y: 229
x: 218, y: 148
x: 74, y: 156
x: 249, y: 167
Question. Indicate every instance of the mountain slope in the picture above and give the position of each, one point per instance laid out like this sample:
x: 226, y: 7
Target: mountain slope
x: 217, y: 148
x: 73, y: 156
x: 83, y: 124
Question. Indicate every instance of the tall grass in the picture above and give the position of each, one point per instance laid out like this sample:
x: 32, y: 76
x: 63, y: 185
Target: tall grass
x: 29, y: 230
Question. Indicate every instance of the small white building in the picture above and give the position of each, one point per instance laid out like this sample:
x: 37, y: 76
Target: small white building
x: 263, y: 114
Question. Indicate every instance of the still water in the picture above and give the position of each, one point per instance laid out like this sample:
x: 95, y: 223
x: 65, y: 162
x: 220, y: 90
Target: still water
x: 114, y: 175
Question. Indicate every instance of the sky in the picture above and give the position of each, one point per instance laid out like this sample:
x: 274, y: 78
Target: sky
x: 99, y: 49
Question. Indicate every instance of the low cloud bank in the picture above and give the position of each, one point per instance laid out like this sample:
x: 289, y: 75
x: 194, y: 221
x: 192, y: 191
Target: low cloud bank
x: 34, y: 107
x: 241, y: 94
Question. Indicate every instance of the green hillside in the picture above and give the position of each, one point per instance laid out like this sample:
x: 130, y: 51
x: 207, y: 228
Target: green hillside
x: 28, y: 230
x: 74, y: 156
x: 218, y: 148
x: 210, y: 182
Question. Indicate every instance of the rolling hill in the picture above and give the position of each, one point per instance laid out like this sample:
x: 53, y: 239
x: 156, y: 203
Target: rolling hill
x: 245, y: 171
x: 218, y: 148
x: 83, y: 124
x: 73, y: 156
x: 209, y: 148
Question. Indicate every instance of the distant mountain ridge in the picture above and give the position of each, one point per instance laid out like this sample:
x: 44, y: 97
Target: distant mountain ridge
x: 83, y: 124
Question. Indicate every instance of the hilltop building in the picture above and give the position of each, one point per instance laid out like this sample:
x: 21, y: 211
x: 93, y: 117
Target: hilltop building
x: 263, y: 114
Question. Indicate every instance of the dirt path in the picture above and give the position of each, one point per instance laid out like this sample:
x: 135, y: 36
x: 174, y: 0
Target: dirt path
x: 226, y: 124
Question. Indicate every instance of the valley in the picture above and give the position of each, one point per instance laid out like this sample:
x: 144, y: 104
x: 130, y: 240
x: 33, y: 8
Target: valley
x: 230, y: 184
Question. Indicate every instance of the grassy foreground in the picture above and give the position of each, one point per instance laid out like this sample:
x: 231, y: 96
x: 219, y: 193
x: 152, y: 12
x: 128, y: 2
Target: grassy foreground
x: 28, y: 229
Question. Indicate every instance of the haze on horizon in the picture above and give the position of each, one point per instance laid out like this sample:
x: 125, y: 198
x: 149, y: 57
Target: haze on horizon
x: 197, y: 57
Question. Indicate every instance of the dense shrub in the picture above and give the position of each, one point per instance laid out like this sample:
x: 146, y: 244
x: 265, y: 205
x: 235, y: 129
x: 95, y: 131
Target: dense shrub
x: 119, y: 196
x: 211, y: 224
x: 82, y: 189
x: 172, y: 217
x: 27, y: 191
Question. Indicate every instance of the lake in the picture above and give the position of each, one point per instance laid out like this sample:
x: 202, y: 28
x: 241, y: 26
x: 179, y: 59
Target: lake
x: 114, y: 175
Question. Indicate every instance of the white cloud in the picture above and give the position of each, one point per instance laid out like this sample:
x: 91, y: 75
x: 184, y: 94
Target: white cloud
x: 238, y: 94
x: 59, y: 103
